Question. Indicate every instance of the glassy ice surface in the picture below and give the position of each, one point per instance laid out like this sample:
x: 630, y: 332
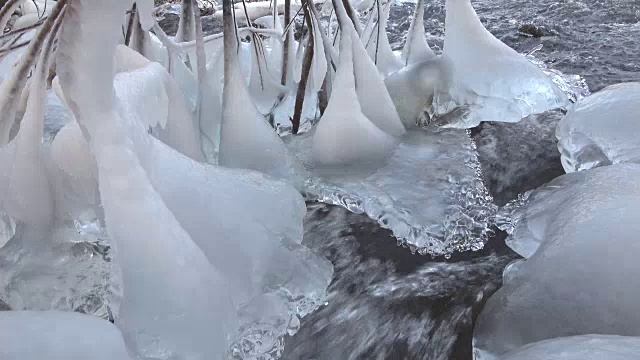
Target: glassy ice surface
x: 590, y: 218
x: 601, y: 129
x: 496, y: 83
x: 429, y: 193
x: 37, y: 335
x: 586, y: 347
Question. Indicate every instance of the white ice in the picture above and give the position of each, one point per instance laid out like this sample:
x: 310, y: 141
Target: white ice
x: 601, y: 129
x: 344, y: 134
x: 491, y: 79
x: 377, y: 44
x: 416, y: 47
x: 579, y: 234
x: 37, y: 335
x: 585, y: 347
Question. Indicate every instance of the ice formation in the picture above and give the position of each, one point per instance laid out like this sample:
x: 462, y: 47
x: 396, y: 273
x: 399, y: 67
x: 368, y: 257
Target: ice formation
x: 412, y: 88
x: 590, y: 218
x: 377, y: 42
x: 601, y: 129
x: 246, y: 139
x: 496, y: 83
x: 586, y: 347
x: 345, y: 135
x: 416, y: 47
x: 458, y: 213
x: 36, y: 335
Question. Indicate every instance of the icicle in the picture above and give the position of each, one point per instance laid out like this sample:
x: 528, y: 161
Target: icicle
x: 297, y: 65
x: 344, y: 134
x: 379, y: 48
x: 416, y: 47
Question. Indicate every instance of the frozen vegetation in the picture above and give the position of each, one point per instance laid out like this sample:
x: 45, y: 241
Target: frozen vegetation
x: 159, y: 182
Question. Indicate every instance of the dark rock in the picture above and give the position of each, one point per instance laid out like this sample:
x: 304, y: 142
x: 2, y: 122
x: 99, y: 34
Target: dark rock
x: 531, y: 30
x: 517, y: 157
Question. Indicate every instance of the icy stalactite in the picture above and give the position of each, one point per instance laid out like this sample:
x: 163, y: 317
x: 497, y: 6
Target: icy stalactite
x: 55, y: 335
x: 589, y: 217
x: 496, y: 83
x: 345, y: 135
x: 416, y: 47
x: 601, y: 129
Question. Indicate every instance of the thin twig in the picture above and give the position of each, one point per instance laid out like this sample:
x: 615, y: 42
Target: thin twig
x: 22, y: 29
x: 132, y: 15
x: 306, y: 69
x: 287, y: 40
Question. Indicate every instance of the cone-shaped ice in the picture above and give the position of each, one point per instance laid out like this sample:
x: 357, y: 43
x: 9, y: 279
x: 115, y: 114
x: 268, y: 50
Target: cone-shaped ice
x: 486, y: 71
x: 25, y: 188
x: 170, y: 305
x: 344, y: 134
x: 601, y: 129
x: 378, y: 45
x: 590, y: 219
x: 246, y: 139
x: 416, y: 47
x: 585, y: 347
x: 375, y: 102
x: 53, y: 335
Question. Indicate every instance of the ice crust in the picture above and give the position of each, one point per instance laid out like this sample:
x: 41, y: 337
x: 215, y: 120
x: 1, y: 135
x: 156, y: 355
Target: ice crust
x: 601, y: 129
x: 496, y: 83
x: 589, y: 217
x: 37, y: 335
x: 428, y: 212
x: 586, y: 347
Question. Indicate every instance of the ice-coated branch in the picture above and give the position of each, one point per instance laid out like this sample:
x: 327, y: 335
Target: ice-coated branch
x: 12, y: 87
x: 186, y: 26
x: 22, y: 30
x: 7, y: 10
x: 306, y: 68
x: 351, y: 13
x: 287, y: 41
x: 201, y: 66
x: 130, y: 22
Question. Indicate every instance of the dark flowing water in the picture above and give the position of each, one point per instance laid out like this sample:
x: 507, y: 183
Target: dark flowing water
x: 385, y: 303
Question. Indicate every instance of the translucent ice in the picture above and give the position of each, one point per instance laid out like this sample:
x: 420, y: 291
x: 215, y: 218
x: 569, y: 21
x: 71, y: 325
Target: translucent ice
x: 601, y: 129
x: 426, y: 211
x: 345, y: 135
x: 36, y: 335
x: 495, y: 83
x: 588, y: 219
x: 416, y: 47
x: 586, y: 347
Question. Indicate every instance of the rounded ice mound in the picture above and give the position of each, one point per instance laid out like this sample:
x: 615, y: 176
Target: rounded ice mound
x: 345, y: 135
x: 586, y: 347
x: 601, y: 129
x: 580, y: 233
x: 57, y: 335
x: 496, y: 82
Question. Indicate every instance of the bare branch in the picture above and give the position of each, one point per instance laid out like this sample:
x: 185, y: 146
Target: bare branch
x: 306, y: 69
